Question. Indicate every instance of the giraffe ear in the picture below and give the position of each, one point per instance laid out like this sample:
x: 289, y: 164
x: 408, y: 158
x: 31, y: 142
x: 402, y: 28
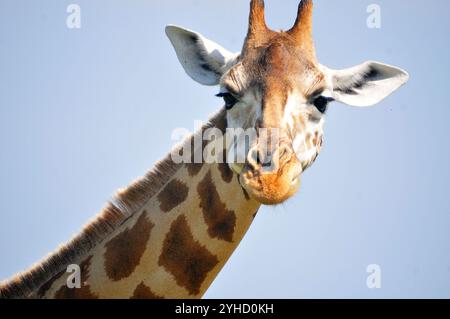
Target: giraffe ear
x: 203, y: 60
x: 366, y: 84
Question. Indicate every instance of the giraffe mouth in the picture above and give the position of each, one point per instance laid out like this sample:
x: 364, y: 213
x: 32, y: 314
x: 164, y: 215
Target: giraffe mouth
x: 270, y: 188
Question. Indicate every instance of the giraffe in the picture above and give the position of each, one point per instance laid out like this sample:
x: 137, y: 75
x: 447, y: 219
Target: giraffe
x: 170, y: 232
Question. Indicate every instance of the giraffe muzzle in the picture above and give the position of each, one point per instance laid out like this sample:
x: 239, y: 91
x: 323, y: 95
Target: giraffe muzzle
x: 270, y: 178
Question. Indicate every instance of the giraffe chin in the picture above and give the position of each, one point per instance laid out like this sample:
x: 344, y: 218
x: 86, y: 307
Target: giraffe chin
x: 272, y: 188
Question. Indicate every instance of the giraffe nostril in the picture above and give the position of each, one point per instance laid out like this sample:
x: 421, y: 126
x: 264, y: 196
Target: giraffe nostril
x: 266, y: 164
x: 258, y: 158
x: 265, y: 160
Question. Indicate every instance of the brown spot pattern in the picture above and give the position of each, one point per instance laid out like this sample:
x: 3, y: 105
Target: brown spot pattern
x: 124, y: 252
x: 172, y: 195
x: 45, y: 287
x: 225, y: 172
x: 144, y: 292
x: 194, y: 168
x: 78, y: 293
x: 185, y: 258
x: 220, y: 221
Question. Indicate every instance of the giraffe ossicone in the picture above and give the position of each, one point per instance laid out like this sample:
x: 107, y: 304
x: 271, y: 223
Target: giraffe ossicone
x: 169, y: 233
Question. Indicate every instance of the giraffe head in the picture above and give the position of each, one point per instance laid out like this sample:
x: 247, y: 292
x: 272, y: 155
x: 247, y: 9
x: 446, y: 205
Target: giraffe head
x: 276, y: 86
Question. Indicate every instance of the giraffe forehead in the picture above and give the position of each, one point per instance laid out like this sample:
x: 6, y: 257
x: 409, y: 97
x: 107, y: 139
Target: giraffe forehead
x: 279, y: 62
x: 282, y: 61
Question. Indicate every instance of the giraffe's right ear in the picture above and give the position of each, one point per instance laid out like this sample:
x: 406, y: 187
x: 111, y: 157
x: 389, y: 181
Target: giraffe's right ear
x: 203, y: 60
x: 366, y: 84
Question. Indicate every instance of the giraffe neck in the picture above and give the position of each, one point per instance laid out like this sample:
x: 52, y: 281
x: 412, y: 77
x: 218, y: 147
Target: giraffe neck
x: 173, y: 245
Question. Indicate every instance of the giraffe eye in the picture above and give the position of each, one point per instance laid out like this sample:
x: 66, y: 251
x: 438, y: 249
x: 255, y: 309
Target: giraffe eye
x: 321, y: 103
x: 229, y: 99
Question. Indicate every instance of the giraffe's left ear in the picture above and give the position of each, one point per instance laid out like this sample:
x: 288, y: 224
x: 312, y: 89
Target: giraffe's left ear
x: 203, y: 60
x: 365, y: 84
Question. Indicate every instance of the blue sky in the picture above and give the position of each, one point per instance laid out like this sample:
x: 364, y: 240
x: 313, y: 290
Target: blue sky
x: 84, y: 112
